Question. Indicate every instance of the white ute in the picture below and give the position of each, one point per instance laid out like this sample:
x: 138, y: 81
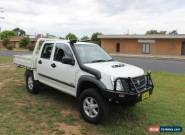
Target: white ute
x: 85, y: 71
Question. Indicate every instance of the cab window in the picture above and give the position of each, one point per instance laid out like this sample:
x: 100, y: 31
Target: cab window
x: 46, y: 51
x: 61, y: 51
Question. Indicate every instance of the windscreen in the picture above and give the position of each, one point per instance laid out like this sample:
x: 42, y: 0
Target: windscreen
x: 90, y: 53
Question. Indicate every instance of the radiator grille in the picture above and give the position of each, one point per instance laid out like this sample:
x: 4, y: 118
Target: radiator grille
x: 139, y: 82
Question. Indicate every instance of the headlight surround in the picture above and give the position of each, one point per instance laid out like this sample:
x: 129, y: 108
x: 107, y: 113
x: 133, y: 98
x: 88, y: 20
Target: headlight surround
x: 121, y: 85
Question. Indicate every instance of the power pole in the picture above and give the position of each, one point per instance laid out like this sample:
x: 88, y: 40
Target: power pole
x: 1, y: 17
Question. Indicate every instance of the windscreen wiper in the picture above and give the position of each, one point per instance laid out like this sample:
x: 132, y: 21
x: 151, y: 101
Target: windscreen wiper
x: 111, y: 60
x: 94, y: 61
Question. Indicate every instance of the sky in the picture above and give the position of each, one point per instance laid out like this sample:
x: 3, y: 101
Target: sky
x: 84, y: 17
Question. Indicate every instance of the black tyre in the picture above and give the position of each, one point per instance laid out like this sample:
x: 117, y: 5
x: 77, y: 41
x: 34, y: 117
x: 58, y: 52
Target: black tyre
x: 31, y: 84
x: 93, y: 107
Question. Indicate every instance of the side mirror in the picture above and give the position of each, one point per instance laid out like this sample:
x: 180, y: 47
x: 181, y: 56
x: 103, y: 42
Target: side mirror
x: 68, y: 60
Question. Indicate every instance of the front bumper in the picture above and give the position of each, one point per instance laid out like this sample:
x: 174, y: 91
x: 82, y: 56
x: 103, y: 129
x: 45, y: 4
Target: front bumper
x: 131, y: 95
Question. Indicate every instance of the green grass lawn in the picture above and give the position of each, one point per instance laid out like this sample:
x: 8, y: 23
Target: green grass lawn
x: 53, y: 112
x: 5, y: 60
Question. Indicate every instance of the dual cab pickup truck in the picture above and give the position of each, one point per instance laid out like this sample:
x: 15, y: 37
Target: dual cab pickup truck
x: 85, y: 71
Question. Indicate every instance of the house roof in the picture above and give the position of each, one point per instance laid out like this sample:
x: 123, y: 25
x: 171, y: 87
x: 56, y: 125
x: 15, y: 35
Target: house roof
x: 17, y: 39
x: 153, y: 36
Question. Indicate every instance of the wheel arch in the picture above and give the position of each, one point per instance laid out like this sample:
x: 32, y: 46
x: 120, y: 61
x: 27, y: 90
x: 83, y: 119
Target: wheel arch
x: 86, y: 81
x: 28, y: 71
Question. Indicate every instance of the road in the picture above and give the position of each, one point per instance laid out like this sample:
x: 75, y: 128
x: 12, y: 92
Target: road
x: 11, y: 53
x: 167, y: 65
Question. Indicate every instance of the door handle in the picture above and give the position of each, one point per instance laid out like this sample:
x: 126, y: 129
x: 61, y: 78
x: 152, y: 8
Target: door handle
x: 53, y: 65
x: 40, y: 61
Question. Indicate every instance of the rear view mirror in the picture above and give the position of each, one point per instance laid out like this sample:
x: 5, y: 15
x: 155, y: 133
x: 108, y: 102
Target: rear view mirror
x: 68, y: 60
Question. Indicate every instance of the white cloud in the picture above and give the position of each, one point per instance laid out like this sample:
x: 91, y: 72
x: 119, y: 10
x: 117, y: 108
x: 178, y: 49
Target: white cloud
x: 87, y: 16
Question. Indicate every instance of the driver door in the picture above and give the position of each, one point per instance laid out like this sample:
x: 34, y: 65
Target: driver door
x: 63, y: 74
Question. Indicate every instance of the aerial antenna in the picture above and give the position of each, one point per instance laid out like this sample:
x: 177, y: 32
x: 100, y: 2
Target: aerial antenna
x: 1, y: 11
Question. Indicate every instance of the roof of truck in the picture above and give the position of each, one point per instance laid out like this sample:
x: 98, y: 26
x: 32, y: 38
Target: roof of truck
x: 66, y: 42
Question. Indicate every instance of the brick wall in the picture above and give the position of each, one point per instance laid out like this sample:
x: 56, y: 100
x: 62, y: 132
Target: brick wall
x: 131, y: 46
x: 167, y: 47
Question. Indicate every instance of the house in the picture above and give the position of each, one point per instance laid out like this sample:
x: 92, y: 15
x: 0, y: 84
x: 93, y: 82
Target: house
x: 144, y: 44
x: 14, y: 41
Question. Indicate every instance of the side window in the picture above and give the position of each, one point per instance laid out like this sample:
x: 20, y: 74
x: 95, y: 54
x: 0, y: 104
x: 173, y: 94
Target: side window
x: 46, y: 51
x: 62, y: 51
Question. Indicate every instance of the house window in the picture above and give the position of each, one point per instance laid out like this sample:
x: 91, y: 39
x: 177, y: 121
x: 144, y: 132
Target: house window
x: 146, y: 48
x: 118, y: 47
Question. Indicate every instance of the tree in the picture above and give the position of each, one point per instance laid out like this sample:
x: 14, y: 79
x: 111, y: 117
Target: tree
x: 173, y: 32
x: 71, y: 36
x: 61, y: 38
x: 95, y: 39
x: 24, y: 42
x: 163, y: 32
x: 150, y: 32
x: 19, y: 32
x: 48, y: 35
x: 85, y: 38
x: 7, y: 34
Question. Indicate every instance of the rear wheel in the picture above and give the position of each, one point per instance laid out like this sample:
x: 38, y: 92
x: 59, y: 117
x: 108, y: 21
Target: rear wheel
x: 31, y: 84
x: 93, y: 107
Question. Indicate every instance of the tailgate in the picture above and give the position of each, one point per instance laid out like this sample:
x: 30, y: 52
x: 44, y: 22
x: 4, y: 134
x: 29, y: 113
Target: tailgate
x: 24, y: 61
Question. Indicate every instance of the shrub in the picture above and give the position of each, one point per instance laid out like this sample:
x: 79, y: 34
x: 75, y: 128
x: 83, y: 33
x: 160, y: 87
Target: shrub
x: 24, y: 42
x: 6, y: 44
x: 31, y: 47
x: 9, y: 47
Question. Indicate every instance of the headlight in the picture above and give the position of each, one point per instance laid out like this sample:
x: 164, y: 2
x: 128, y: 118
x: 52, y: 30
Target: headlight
x: 119, y: 86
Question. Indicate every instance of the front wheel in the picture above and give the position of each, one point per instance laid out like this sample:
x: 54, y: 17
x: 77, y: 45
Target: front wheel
x: 93, y: 107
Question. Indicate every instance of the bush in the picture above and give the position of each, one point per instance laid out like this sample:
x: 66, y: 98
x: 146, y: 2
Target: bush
x: 24, y: 42
x: 9, y: 47
x: 6, y: 44
x: 31, y: 47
